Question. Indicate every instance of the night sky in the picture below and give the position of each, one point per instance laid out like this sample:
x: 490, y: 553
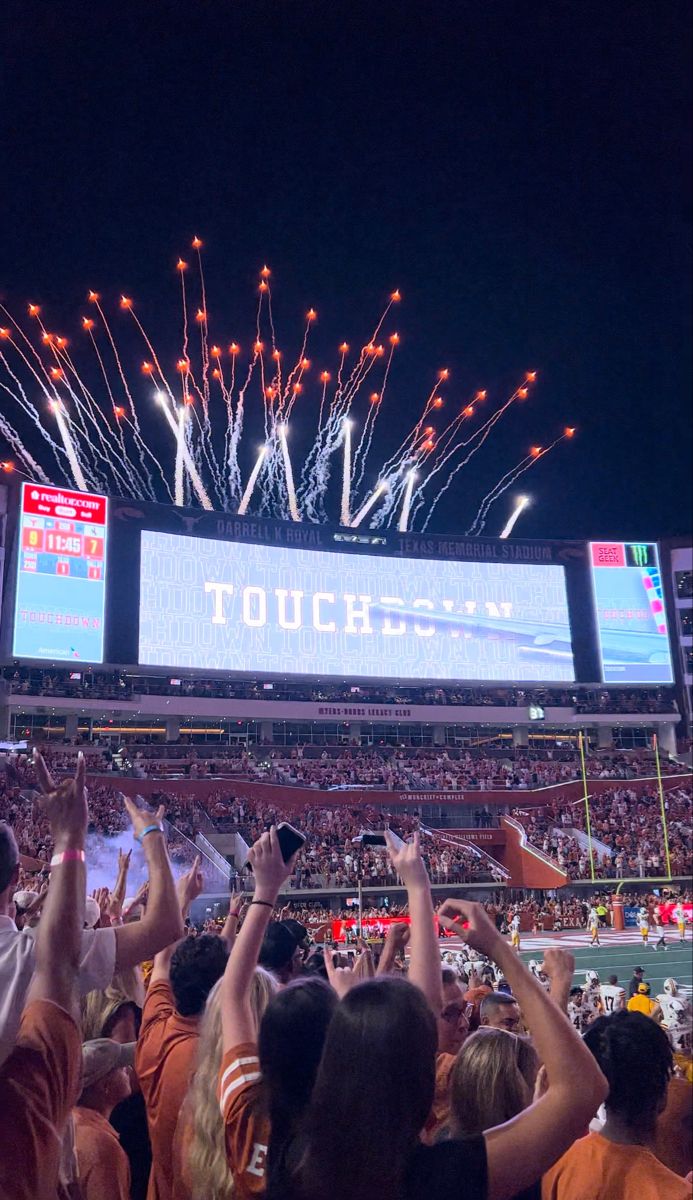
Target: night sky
x: 519, y: 170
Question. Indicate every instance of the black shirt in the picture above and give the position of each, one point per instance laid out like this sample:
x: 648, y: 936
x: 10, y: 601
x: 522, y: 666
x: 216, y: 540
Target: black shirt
x: 454, y: 1170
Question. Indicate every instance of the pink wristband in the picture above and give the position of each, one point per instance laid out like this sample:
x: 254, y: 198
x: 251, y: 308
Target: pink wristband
x: 68, y: 856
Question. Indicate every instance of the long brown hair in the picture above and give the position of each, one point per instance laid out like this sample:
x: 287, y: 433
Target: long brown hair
x: 377, y: 1073
x: 492, y: 1081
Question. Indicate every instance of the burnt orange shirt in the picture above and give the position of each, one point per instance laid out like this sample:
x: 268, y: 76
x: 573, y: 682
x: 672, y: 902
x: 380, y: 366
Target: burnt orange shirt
x: 596, y: 1169
x: 440, y: 1112
x: 164, y: 1061
x: 246, y: 1128
x: 103, y: 1169
x: 182, y: 1179
x: 672, y: 1143
x: 39, y: 1085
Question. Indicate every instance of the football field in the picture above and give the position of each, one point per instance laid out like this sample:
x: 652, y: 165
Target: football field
x: 618, y: 955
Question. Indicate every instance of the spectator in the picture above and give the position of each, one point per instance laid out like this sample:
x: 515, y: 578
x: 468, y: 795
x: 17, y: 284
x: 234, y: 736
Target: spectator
x: 40, y: 1078
x: 102, y: 1164
x: 384, y: 1087
x: 104, y: 951
x: 287, y: 1052
x: 200, y: 1164
x: 181, y: 980
x: 501, y: 1011
x: 617, y: 1163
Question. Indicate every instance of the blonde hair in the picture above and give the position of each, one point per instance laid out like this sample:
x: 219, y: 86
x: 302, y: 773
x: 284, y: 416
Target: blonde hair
x: 100, y: 1007
x: 207, y: 1171
x: 492, y: 1081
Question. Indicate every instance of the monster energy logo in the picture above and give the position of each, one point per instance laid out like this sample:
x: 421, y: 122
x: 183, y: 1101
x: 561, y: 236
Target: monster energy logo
x: 640, y: 554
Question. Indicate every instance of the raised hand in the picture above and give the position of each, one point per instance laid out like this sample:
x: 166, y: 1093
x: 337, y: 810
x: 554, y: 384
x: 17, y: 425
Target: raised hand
x: 558, y: 963
x: 101, y: 895
x: 65, y: 805
x: 342, y: 979
x: 269, y: 868
x: 398, y: 935
x: 238, y: 903
x: 141, y: 818
x: 478, y: 930
x: 190, y: 885
x: 124, y: 861
x: 407, y: 860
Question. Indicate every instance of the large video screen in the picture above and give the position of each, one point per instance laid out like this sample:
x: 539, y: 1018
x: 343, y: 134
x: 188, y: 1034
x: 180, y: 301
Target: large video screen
x: 631, y: 619
x: 61, y: 575
x: 217, y: 605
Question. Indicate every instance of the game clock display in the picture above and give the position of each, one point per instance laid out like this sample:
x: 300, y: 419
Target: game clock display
x: 61, y: 575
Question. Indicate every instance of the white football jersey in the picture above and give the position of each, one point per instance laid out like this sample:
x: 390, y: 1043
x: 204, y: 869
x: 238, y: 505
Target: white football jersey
x: 515, y: 925
x: 576, y: 1016
x: 677, y: 1016
x: 590, y: 1003
x: 612, y: 997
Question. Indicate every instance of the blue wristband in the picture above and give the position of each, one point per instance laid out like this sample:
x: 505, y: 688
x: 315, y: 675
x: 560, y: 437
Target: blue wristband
x: 150, y: 829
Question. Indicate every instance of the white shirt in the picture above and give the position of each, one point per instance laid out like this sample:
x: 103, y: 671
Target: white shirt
x: 612, y: 997
x: 515, y: 925
x: 677, y: 1016
x: 593, y: 918
x: 17, y: 962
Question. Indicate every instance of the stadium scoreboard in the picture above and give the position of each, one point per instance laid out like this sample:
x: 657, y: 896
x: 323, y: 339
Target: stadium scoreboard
x: 187, y: 590
x: 61, y: 575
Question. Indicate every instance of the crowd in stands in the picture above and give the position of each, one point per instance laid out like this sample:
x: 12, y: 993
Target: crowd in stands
x: 116, y: 684
x: 245, y: 1063
x: 390, y: 769
x: 627, y: 825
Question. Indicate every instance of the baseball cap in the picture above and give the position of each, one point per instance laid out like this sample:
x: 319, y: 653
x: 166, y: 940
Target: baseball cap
x: 23, y: 899
x: 638, y: 970
x: 103, y: 1055
x: 643, y: 988
x: 92, y: 913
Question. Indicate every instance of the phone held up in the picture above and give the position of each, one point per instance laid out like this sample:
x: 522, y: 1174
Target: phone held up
x: 290, y: 840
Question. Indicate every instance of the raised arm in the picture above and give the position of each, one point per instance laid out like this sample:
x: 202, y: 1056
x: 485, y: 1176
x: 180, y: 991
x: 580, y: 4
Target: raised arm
x: 521, y: 1150
x: 424, y: 961
x: 396, y: 939
x: 270, y: 871
x: 58, y: 944
x: 229, y: 931
x: 188, y: 888
x: 162, y: 922
x: 117, y: 896
x: 559, y: 965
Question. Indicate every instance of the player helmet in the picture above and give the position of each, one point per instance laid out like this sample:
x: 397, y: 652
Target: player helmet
x: 592, y: 978
x: 671, y: 987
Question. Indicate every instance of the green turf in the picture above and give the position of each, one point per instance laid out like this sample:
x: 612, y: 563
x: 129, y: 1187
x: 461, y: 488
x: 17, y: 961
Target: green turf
x: 676, y: 962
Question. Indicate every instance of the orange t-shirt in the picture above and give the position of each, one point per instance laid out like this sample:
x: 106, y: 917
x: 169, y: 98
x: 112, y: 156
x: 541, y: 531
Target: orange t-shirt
x: 164, y: 1061
x: 182, y: 1180
x: 596, y: 1169
x: 39, y: 1085
x: 247, y: 1129
x: 672, y: 1143
x: 103, y: 1169
x: 440, y: 1112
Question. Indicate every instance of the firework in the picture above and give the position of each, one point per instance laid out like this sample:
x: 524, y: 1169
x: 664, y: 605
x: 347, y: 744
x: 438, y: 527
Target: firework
x: 100, y: 421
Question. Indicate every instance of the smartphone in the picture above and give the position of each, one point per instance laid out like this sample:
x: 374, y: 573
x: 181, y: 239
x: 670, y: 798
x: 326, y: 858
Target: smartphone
x: 290, y: 840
